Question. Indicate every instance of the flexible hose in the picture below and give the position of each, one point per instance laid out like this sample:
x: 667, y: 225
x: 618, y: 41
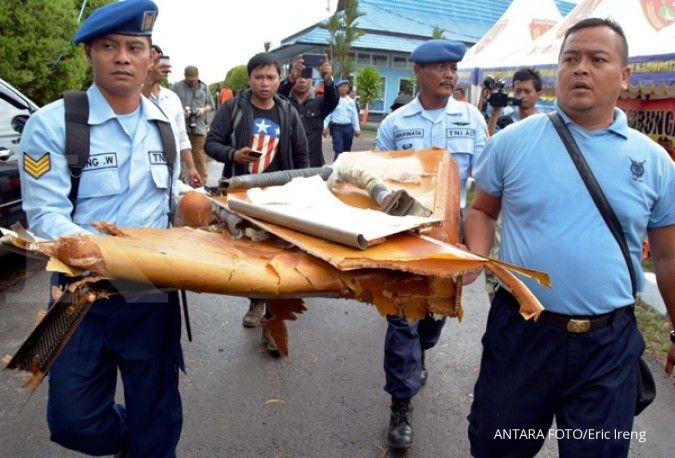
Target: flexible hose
x: 261, y: 180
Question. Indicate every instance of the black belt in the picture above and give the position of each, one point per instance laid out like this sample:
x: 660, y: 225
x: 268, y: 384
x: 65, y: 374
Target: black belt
x: 576, y: 323
x: 341, y: 125
x: 580, y: 323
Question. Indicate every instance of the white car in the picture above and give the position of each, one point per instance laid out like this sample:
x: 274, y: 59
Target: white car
x: 15, y: 108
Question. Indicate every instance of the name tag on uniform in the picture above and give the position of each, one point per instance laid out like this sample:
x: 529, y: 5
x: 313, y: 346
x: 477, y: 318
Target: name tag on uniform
x: 408, y: 133
x: 100, y: 161
x: 157, y: 157
x: 459, y: 132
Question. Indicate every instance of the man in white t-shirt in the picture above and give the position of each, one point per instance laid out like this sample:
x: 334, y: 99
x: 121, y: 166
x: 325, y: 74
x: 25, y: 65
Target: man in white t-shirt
x: 172, y: 107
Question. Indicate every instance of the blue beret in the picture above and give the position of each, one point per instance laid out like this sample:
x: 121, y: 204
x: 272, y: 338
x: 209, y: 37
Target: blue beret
x: 131, y: 17
x: 341, y: 82
x: 433, y: 51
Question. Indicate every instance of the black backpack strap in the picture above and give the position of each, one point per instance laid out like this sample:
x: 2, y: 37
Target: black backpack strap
x: 169, y: 146
x: 76, y: 107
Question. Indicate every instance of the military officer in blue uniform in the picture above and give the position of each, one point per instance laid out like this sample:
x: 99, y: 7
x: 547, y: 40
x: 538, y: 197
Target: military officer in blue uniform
x: 433, y: 118
x: 125, y: 181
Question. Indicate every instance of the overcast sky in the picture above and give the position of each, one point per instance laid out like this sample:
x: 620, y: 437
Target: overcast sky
x: 216, y: 35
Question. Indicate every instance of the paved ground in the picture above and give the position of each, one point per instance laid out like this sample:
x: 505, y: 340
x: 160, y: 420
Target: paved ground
x: 324, y: 400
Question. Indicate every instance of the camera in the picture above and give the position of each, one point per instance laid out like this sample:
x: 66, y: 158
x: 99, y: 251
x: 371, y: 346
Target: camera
x: 190, y: 117
x: 498, y: 97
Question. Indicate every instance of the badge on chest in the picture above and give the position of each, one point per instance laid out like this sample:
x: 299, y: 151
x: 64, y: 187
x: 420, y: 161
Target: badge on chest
x: 157, y: 157
x: 100, y: 161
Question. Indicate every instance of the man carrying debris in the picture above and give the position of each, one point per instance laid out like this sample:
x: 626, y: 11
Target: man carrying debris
x: 433, y: 118
x: 126, y: 180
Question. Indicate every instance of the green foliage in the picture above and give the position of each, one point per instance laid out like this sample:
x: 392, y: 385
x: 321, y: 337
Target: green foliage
x: 438, y: 32
x: 36, y: 50
x: 654, y: 328
x: 369, y: 83
x: 343, y: 31
x: 267, y: 46
x: 237, y: 77
x: 213, y: 87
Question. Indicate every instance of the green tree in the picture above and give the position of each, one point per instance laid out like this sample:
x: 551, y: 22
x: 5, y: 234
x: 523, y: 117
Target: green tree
x: 36, y: 50
x: 369, y: 83
x: 267, y: 46
x: 237, y: 77
x: 343, y: 31
x: 438, y: 32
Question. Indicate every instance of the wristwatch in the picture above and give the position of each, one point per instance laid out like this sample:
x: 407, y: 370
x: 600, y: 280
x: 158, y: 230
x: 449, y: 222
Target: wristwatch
x: 672, y: 336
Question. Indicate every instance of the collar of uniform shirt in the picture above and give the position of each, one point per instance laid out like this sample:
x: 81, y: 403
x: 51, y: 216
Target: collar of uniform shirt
x: 415, y: 107
x: 619, y: 126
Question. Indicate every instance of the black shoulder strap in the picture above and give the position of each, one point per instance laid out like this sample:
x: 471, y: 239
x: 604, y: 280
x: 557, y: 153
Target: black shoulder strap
x: 77, y: 138
x: 596, y: 192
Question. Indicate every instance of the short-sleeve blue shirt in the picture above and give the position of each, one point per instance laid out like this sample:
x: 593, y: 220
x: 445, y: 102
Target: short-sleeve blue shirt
x: 460, y: 129
x: 550, y: 222
x: 125, y: 181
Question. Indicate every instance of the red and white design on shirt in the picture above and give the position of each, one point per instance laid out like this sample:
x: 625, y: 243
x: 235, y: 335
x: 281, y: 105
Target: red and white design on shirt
x: 266, y: 140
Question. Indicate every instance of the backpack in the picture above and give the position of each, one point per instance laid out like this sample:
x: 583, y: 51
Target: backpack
x: 77, y: 146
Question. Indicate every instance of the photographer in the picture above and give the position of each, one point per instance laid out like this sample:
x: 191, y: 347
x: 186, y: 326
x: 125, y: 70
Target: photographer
x: 526, y: 89
x: 197, y: 102
x: 172, y: 106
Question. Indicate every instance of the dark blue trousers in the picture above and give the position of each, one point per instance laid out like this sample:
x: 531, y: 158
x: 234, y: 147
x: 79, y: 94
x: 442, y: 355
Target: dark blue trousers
x: 403, y: 347
x: 342, y: 138
x: 140, y: 336
x: 531, y: 372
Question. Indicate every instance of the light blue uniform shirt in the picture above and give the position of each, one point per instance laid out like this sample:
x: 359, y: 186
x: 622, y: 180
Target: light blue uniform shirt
x: 125, y: 181
x: 550, y: 222
x: 344, y: 113
x: 460, y: 129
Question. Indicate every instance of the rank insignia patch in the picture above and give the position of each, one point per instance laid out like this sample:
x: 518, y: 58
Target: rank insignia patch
x: 37, y: 168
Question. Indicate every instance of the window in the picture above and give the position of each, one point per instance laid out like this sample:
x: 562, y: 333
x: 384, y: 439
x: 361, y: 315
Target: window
x: 406, y: 86
x: 399, y: 62
x: 380, y: 60
x: 363, y: 59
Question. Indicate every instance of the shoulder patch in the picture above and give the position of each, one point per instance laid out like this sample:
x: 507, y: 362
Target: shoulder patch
x: 37, y: 168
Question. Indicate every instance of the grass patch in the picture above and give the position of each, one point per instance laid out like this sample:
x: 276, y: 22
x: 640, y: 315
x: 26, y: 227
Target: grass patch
x: 654, y: 328
x: 648, y: 265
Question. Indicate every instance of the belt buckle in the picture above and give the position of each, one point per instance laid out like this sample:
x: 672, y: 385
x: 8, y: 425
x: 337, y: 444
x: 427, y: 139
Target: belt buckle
x: 578, y: 326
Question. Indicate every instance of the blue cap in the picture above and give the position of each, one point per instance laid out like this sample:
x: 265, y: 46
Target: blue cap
x: 433, y: 51
x: 131, y: 17
x: 341, y: 82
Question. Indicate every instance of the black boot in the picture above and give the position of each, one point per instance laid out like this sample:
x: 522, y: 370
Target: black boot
x: 424, y: 374
x: 401, y: 434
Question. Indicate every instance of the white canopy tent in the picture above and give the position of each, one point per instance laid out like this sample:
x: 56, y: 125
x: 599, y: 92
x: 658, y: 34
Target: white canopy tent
x: 649, y: 26
x: 523, y: 22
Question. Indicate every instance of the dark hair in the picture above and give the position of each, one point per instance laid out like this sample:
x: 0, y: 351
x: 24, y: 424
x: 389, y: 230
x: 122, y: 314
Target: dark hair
x: 262, y: 59
x: 157, y: 49
x: 460, y: 89
x: 598, y: 22
x: 528, y: 74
